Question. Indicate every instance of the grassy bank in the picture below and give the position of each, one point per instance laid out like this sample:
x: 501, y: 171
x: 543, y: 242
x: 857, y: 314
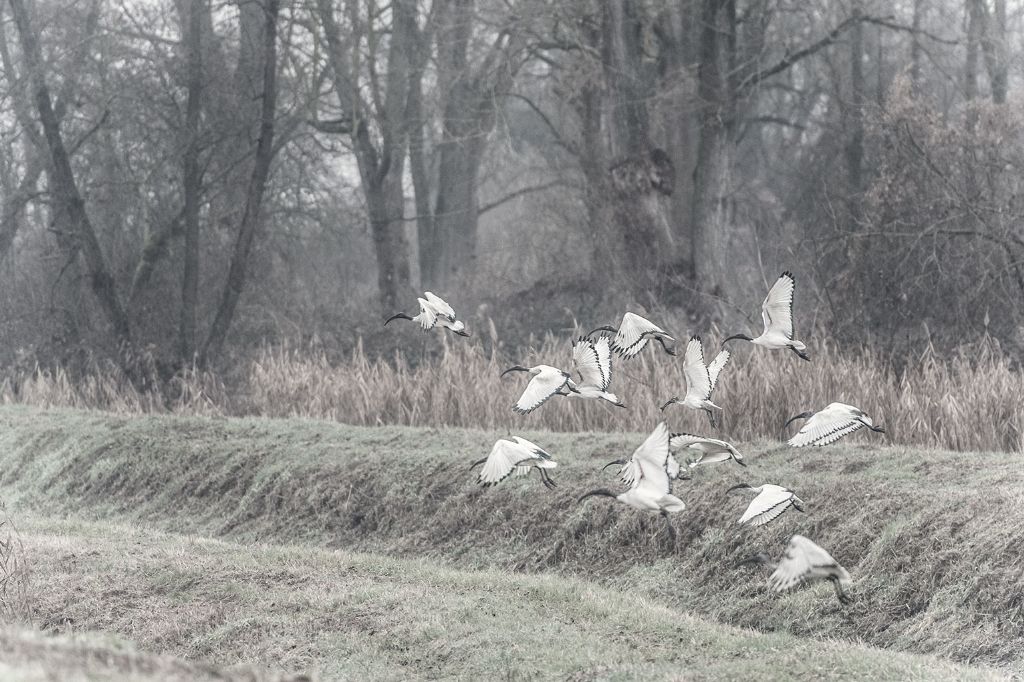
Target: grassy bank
x: 965, y: 401
x: 932, y: 538
x: 350, y: 616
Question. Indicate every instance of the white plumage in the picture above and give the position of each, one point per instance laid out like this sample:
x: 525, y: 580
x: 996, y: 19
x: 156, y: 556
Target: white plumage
x: 514, y: 458
x: 593, y: 362
x: 634, y: 332
x: 434, y: 312
x: 769, y: 504
x: 777, y: 315
x: 829, y: 425
x: 700, y: 379
x: 546, y: 382
x: 651, y: 487
x: 707, y: 450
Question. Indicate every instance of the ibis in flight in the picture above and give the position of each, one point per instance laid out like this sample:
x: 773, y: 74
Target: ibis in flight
x: 700, y: 379
x: 829, y: 425
x: 434, y: 312
x: 707, y: 450
x: 777, y: 314
x: 651, y: 489
x: 770, y: 502
x: 546, y: 382
x: 634, y: 332
x: 593, y: 362
x: 803, y: 562
x: 514, y: 457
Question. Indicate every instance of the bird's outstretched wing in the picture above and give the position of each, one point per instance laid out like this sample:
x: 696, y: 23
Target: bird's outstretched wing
x: 708, y: 450
x: 540, y: 389
x: 767, y: 506
x: 827, y: 426
x: 602, y: 346
x: 804, y: 559
x: 440, y: 306
x: 716, y: 366
x: 428, y: 316
x: 633, y: 334
x: 777, y: 309
x: 503, y: 462
x: 536, y: 451
x: 588, y: 363
x: 698, y: 383
x: 652, y: 459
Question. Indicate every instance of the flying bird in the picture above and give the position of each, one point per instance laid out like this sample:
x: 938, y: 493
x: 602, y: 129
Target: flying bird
x: 829, y: 425
x: 514, y: 457
x: 651, y: 487
x: 700, y: 379
x: 708, y: 450
x: 770, y: 502
x: 803, y: 562
x: 777, y: 314
x: 546, y: 382
x: 634, y: 332
x: 593, y: 362
x: 434, y: 312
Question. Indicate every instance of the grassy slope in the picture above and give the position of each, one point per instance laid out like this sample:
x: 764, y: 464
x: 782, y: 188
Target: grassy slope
x: 932, y: 539
x: 344, y: 615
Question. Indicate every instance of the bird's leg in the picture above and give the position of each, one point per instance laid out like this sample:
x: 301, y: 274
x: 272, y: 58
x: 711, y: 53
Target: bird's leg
x: 843, y: 597
x: 711, y: 418
x: 671, y: 530
x: 802, y: 355
x: 550, y: 484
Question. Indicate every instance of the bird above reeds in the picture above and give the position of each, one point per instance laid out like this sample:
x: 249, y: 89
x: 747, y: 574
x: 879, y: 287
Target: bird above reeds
x: 547, y: 381
x: 777, y: 315
x: 700, y: 379
x: 633, y: 333
x: 592, y: 360
x: 830, y: 424
x: 434, y: 313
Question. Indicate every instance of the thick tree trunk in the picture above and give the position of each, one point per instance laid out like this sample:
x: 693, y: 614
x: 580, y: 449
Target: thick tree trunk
x: 455, y: 213
x: 64, y: 186
x: 192, y: 182
x: 254, y: 197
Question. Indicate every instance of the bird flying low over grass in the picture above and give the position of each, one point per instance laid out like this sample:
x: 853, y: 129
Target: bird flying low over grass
x: 829, y: 425
x: 700, y: 379
x: 777, y: 314
x: 434, y: 312
x: 593, y: 362
x: 514, y: 458
x: 546, y: 382
x: 651, y: 487
x: 707, y: 450
x: 634, y: 332
x: 803, y: 562
x: 769, y: 504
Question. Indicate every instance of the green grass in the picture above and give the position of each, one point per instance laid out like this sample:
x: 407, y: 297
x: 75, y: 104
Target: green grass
x: 353, y: 616
x: 931, y: 538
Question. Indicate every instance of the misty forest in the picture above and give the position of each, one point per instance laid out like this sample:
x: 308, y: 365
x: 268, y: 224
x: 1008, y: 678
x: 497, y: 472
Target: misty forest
x: 209, y: 209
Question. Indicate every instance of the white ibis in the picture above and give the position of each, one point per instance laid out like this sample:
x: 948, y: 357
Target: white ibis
x: 514, y: 457
x: 593, y: 362
x: 434, y: 312
x: 651, y: 489
x: 770, y: 502
x: 777, y: 314
x: 700, y: 379
x: 829, y: 425
x: 634, y: 332
x: 546, y: 382
x: 708, y: 450
x: 803, y: 562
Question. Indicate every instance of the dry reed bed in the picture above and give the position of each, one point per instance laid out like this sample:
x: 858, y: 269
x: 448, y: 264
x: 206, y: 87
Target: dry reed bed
x: 968, y: 400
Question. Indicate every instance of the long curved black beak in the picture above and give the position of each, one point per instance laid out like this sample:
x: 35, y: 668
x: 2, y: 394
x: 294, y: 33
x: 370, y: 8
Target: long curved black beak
x: 397, y: 316
x: 739, y: 461
x: 802, y: 415
x: 877, y: 429
x: 462, y: 332
x: 670, y: 402
x: 517, y: 368
x: 477, y: 463
x: 742, y: 337
x: 759, y: 558
x: 741, y: 486
x: 620, y: 462
x: 606, y: 328
x: 600, y: 492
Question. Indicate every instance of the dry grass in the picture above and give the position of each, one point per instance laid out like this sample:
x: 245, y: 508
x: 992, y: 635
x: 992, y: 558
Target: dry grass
x: 14, y: 603
x: 932, y: 538
x: 969, y: 400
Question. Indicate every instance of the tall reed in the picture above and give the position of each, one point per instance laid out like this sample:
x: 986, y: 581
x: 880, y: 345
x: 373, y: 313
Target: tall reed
x: 972, y: 399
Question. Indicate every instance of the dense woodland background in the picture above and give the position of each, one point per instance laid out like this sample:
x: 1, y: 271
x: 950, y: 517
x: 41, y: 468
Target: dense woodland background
x: 187, y: 181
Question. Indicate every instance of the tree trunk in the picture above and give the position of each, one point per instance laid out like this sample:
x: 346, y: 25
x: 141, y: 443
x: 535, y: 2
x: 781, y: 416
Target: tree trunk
x: 192, y: 182
x: 64, y: 186
x: 257, y: 185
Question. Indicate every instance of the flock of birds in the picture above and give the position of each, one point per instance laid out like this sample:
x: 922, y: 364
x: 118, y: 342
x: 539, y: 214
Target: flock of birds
x: 649, y: 472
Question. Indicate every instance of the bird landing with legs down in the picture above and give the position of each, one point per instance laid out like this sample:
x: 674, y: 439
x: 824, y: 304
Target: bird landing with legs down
x: 830, y: 424
x: 514, y: 457
x: 434, y: 312
x: 633, y: 333
x: 547, y: 381
x: 801, y: 563
x: 701, y: 379
x: 593, y: 362
x: 777, y: 315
